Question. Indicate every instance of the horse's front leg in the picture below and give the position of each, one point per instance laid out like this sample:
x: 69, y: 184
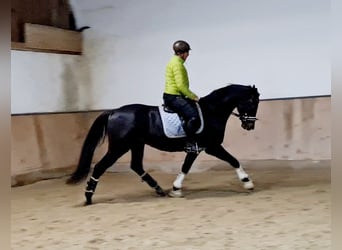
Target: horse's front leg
x: 222, y: 154
x: 178, y: 183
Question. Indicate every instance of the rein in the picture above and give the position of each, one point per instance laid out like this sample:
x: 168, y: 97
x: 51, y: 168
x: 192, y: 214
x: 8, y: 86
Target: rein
x: 245, y: 117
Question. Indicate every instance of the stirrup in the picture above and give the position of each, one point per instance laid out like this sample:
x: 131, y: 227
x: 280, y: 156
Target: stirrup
x: 192, y: 148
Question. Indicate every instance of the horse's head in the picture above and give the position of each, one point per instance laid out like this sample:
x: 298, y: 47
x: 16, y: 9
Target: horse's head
x: 224, y: 100
x: 247, y: 108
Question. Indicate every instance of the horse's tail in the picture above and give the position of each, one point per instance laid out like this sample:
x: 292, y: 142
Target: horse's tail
x: 97, y: 132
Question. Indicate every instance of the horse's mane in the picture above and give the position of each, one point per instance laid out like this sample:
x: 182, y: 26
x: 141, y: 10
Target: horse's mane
x: 231, y: 90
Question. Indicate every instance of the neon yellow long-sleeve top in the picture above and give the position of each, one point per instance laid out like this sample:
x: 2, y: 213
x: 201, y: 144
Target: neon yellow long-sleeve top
x: 176, y: 79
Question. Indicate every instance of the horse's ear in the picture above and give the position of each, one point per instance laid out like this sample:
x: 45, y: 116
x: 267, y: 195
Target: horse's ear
x: 255, y: 89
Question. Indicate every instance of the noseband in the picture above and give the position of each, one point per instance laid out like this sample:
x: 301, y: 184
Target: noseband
x: 245, y: 118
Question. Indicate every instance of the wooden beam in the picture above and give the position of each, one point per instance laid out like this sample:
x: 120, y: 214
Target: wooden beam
x: 18, y: 46
x: 48, y: 38
x: 24, y: 47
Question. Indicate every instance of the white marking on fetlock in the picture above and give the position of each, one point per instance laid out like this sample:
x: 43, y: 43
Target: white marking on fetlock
x: 241, y: 173
x: 179, y: 180
x: 248, y: 185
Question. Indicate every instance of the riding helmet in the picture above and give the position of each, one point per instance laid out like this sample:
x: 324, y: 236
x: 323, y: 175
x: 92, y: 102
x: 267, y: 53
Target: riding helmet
x: 181, y: 47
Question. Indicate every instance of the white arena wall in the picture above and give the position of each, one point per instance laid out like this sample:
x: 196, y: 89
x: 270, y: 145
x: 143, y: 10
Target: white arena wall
x: 283, y: 47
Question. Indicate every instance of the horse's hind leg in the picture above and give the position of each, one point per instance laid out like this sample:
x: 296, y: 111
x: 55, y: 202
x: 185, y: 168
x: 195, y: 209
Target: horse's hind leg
x: 137, y: 166
x: 108, y: 160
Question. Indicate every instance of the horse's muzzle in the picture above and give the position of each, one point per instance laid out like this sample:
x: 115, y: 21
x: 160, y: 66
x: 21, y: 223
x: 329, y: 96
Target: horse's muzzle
x: 248, y: 125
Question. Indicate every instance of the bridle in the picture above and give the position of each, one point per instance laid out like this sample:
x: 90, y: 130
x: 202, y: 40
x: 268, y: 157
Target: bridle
x: 245, y: 118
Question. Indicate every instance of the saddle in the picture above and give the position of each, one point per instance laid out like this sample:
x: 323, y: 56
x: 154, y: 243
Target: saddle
x: 172, y: 123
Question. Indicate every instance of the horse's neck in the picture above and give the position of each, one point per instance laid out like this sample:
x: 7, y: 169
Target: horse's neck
x: 217, y: 110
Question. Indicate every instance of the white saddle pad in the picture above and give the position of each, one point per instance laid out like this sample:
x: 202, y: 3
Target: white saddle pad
x: 172, y: 124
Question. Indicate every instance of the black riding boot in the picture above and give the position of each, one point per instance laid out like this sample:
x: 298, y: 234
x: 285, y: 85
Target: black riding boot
x: 190, y: 128
x: 90, y: 189
x: 152, y: 183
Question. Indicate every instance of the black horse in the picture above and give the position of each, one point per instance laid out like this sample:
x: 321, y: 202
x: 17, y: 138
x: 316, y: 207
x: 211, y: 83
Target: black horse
x: 130, y: 127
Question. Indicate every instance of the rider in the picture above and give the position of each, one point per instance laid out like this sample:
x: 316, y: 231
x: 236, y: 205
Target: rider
x: 177, y: 95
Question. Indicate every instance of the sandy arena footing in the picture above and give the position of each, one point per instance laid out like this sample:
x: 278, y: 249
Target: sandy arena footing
x: 289, y: 209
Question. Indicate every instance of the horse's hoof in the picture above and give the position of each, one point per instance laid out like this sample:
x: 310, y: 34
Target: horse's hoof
x: 248, y: 185
x: 87, y: 203
x: 176, y: 193
x: 88, y: 196
x: 160, y: 191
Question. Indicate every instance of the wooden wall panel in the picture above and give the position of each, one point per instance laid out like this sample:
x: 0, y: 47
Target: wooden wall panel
x: 49, y: 144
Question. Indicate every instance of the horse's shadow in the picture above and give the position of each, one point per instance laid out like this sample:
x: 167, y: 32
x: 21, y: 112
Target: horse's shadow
x: 193, y: 191
x: 189, y: 194
x: 215, y: 192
